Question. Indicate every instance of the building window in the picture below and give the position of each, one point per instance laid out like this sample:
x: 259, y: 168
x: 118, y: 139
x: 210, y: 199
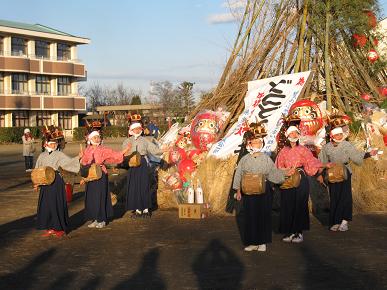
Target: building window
x: 42, y: 49
x: 43, y: 118
x: 43, y: 85
x: 18, y: 46
x: 1, y: 46
x: 63, y: 52
x: 65, y: 120
x: 2, y: 118
x: 1, y: 83
x: 19, y: 83
x: 64, y: 88
x: 20, y: 119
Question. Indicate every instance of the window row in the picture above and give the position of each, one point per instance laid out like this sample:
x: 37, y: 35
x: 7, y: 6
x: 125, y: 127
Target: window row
x: 42, y: 48
x: 22, y: 119
x: 42, y: 84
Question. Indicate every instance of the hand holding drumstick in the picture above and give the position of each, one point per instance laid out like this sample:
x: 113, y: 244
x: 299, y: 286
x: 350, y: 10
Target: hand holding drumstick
x: 127, y: 149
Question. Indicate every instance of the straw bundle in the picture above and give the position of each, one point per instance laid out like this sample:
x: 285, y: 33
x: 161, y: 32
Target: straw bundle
x: 216, y: 176
x: 369, y: 182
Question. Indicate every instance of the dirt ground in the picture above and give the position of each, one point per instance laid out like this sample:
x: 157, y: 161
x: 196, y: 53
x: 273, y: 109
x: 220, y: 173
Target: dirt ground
x: 165, y: 252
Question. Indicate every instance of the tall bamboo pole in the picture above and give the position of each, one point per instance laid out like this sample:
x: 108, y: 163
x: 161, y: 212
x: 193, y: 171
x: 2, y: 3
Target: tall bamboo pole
x: 326, y: 56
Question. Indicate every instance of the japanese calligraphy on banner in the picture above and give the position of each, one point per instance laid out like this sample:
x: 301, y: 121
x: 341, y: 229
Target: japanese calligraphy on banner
x: 266, y: 100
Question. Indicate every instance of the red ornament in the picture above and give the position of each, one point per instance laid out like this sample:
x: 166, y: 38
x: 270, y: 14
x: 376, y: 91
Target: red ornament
x: 376, y: 42
x: 186, y: 166
x: 383, y: 91
x: 371, y: 19
x: 366, y: 97
x: 204, y: 130
x: 175, y: 155
x: 309, y: 114
x: 174, y: 182
x: 372, y: 55
x: 359, y: 40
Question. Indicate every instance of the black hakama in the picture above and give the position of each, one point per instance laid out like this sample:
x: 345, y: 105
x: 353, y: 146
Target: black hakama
x: 340, y: 194
x: 138, y: 195
x: 52, y: 206
x: 294, y: 212
x: 98, y: 203
x: 257, y: 217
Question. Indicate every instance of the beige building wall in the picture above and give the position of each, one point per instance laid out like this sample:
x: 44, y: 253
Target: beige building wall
x: 55, y: 119
x: 31, y: 48
x: 8, y: 119
x: 33, y: 118
x: 53, y: 50
x: 53, y: 86
x: 32, y: 84
x: 7, y: 83
x: 74, y: 52
x: 7, y: 45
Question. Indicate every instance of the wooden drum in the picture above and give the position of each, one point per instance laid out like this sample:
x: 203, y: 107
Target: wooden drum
x: 43, y: 176
x: 95, y: 173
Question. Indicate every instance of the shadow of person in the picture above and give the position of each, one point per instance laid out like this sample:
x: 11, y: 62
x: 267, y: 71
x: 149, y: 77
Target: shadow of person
x: 77, y: 220
x: 147, y: 276
x: 92, y: 284
x: 26, y: 276
x: 320, y: 201
x: 13, y: 230
x: 217, y: 267
x: 63, y: 282
x: 336, y: 271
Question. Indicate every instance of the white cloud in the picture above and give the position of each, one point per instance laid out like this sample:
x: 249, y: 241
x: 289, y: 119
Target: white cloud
x: 234, y: 5
x: 221, y: 18
x: 235, y: 8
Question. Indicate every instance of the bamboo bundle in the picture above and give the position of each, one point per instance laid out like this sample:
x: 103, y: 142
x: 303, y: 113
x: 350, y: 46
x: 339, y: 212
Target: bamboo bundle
x: 284, y: 37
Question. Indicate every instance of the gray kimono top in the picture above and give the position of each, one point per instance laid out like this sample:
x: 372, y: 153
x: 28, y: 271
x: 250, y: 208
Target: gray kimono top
x: 260, y: 163
x: 142, y: 145
x: 342, y: 153
x: 58, y: 159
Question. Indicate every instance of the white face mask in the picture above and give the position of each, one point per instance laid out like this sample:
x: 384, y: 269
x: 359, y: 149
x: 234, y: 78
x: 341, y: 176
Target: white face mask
x: 294, y: 140
x: 48, y: 149
x: 94, y: 143
x: 337, y: 141
x: 137, y: 135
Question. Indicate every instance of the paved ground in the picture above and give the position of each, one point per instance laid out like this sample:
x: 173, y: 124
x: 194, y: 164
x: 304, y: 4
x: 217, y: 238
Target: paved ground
x: 167, y: 253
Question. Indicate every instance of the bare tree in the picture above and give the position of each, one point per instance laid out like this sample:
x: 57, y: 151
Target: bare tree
x: 94, y: 95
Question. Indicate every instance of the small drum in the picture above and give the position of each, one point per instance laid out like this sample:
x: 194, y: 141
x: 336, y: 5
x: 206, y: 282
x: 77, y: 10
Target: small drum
x: 253, y: 184
x: 91, y: 173
x: 43, y: 175
x: 292, y: 181
x: 337, y: 173
x: 135, y: 159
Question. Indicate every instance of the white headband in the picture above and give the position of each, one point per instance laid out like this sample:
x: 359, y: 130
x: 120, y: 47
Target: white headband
x: 134, y: 126
x: 291, y: 129
x: 92, y: 134
x: 51, y: 142
x: 337, y: 130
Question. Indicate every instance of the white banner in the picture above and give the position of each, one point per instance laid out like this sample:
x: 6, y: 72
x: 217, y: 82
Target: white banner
x: 266, y: 100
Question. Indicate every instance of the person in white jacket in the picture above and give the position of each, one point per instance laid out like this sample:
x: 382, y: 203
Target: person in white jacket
x: 28, y: 149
